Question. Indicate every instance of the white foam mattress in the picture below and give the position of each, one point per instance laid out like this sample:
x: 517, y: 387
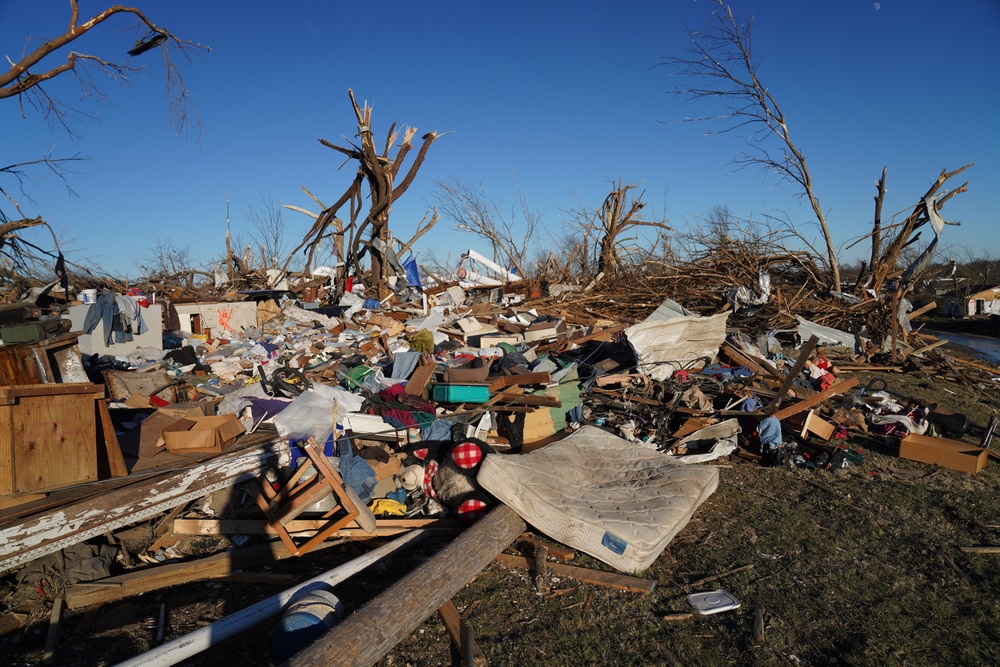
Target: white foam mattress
x: 617, y: 501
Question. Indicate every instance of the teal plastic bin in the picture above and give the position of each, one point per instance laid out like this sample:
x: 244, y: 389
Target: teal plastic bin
x: 461, y: 393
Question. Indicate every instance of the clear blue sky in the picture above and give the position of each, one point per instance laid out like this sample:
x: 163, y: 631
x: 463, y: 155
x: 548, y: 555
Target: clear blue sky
x: 564, y: 95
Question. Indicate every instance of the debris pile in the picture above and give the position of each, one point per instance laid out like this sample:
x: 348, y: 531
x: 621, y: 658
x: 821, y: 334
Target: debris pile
x: 274, y: 426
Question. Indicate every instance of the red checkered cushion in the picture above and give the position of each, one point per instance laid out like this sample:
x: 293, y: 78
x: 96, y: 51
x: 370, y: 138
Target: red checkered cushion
x: 467, y: 455
x: 429, y: 471
x: 472, y: 510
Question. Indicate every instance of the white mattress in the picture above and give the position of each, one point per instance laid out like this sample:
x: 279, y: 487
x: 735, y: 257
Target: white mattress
x: 617, y: 501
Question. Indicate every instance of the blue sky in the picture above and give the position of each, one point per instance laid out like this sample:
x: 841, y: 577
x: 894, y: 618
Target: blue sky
x: 566, y: 98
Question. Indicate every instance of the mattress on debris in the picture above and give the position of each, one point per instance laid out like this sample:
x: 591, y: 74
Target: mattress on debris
x: 616, y: 500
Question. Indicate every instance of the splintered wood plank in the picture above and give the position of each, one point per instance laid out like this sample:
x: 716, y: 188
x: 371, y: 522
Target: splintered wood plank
x: 71, y: 523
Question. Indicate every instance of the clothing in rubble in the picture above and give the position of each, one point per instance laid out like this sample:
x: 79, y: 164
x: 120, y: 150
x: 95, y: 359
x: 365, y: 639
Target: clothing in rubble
x: 120, y: 315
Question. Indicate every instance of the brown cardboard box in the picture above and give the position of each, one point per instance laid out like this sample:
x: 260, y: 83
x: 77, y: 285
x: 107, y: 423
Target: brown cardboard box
x: 203, y: 434
x: 146, y: 440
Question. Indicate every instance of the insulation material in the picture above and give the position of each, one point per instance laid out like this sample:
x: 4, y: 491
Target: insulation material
x: 620, y: 502
x: 665, y: 346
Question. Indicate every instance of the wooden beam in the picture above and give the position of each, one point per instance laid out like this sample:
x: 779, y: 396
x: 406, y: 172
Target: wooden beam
x: 365, y: 636
x: 612, y: 580
x: 383, y: 527
x: 71, y: 523
x: 793, y: 373
x: 815, y: 399
x: 154, y: 578
x: 453, y: 624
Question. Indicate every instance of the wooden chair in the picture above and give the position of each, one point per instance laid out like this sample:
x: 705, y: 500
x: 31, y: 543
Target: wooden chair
x: 281, y: 507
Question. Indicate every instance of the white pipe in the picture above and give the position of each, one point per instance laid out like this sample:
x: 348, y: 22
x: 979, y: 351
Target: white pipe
x: 195, y: 642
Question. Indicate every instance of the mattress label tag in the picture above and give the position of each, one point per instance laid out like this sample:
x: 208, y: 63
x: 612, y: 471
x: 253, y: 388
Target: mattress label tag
x: 614, y: 543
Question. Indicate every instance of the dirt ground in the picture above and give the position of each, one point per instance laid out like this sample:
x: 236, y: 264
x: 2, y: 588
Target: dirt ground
x: 862, y: 565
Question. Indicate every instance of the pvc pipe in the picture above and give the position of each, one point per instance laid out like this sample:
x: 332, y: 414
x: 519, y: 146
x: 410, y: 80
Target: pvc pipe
x: 195, y: 642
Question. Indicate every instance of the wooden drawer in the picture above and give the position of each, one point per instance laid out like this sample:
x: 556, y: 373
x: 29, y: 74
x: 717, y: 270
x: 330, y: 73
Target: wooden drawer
x: 943, y: 452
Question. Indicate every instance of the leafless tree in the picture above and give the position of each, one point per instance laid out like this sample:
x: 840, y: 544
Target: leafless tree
x: 722, y: 67
x: 38, y: 65
x: 269, y: 232
x: 371, y: 233
x: 25, y: 81
x: 891, y: 242
x: 603, y: 230
x: 509, y: 232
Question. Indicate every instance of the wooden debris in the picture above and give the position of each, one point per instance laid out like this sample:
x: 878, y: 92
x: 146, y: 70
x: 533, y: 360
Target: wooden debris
x: 721, y: 575
x: 620, y: 581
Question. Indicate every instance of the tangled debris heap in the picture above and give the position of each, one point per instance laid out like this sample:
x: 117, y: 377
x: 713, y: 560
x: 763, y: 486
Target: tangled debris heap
x: 421, y: 397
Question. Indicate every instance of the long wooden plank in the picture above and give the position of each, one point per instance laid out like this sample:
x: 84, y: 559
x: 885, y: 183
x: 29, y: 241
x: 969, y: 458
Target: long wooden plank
x: 62, y: 526
x: 383, y: 527
x: 622, y: 582
x: 369, y: 633
x: 793, y: 373
x: 155, y: 578
x: 807, y: 403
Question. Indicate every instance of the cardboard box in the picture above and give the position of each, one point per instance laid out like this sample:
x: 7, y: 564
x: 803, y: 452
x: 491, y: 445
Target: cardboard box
x: 943, y: 452
x: 146, y: 439
x: 203, y: 434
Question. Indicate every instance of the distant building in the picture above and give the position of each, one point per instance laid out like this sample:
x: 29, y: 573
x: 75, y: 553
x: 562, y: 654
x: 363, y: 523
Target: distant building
x: 986, y: 302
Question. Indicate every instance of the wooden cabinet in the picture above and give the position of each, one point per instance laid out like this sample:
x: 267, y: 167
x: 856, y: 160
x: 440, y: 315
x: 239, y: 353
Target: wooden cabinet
x: 48, y: 436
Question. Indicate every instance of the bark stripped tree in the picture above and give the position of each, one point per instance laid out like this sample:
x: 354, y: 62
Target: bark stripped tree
x: 379, y: 171
x: 723, y: 67
x: 888, y: 243
x: 616, y: 216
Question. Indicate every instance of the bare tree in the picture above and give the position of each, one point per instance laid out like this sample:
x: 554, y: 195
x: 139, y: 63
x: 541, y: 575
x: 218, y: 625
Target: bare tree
x: 724, y: 68
x: 379, y: 171
x: 509, y: 233
x: 26, y: 78
x: 268, y: 223
x: 890, y: 243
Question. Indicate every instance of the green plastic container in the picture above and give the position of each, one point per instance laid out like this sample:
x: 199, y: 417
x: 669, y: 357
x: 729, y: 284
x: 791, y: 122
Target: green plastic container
x: 461, y: 393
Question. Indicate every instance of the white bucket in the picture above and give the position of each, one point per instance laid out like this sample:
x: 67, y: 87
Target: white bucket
x: 88, y: 296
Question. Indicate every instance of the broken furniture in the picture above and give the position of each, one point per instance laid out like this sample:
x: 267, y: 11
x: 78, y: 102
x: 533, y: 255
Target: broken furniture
x: 948, y: 453
x: 55, y: 359
x: 302, y: 491
x: 48, y: 436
